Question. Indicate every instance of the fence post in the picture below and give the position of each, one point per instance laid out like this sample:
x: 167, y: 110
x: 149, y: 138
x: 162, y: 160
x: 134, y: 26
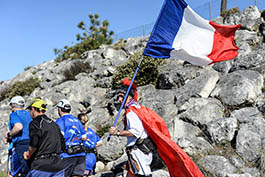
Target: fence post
x: 210, y: 15
x: 143, y: 31
x: 223, y: 6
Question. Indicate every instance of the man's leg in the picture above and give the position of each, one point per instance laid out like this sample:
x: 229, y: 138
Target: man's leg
x: 69, y: 164
x: 80, y: 165
x: 20, y: 148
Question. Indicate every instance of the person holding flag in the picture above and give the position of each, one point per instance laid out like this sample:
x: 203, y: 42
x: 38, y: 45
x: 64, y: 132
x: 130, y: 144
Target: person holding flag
x: 139, y: 146
x: 146, y: 132
x: 179, y: 33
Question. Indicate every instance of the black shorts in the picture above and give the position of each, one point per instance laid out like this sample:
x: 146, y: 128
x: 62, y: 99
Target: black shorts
x: 74, y: 166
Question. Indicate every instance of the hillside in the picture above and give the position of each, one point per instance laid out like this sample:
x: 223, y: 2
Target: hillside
x: 214, y: 113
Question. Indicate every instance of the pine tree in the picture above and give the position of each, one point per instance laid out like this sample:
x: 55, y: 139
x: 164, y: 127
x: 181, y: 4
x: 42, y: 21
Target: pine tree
x: 93, y: 36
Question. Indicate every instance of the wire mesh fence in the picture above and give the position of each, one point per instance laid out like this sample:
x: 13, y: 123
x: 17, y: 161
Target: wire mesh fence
x: 143, y: 30
x: 209, y: 10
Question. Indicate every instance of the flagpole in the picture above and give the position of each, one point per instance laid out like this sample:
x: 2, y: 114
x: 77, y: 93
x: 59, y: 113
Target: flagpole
x: 126, y: 95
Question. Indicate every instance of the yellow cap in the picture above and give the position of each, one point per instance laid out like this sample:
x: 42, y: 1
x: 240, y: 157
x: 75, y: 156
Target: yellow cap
x: 38, y: 103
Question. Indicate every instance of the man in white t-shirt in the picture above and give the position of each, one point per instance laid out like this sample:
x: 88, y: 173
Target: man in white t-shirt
x: 147, y: 132
x: 139, y: 160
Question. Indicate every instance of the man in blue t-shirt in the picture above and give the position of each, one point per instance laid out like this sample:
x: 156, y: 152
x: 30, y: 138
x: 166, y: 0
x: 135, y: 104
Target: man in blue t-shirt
x: 19, y: 131
x: 74, y: 133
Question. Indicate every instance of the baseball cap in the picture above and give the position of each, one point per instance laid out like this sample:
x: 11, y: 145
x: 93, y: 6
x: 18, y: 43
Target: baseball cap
x: 19, y: 100
x: 38, y: 103
x: 64, y: 103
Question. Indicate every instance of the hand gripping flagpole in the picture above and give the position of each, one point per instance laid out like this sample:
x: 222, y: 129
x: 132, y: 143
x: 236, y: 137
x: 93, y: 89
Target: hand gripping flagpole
x: 126, y: 95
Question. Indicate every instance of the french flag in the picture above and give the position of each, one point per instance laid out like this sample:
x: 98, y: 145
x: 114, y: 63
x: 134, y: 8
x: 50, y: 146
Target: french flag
x: 182, y: 34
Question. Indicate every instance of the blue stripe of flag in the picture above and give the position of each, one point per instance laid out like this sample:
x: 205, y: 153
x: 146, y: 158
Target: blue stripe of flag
x: 166, y: 27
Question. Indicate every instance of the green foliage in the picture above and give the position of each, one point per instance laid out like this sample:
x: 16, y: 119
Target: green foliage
x: 148, y: 72
x: 92, y: 37
x: 102, y: 130
x: 23, y: 88
x: 76, y: 68
x: 3, y: 174
x: 230, y: 12
x: 119, y: 44
x: 3, y: 94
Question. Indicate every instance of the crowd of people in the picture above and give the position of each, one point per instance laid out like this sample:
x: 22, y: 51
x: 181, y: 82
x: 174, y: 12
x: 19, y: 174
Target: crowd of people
x: 40, y: 147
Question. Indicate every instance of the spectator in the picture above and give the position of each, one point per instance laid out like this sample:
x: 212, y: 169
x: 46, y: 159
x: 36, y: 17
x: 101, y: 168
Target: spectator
x: 19, y: 131
x: 93, y: 141
x: 74, y: 134
x: 46, y: 143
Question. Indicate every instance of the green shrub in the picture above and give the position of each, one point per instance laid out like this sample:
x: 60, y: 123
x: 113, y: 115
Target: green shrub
x: 148, y: 72
x: 23, y: 87
x: 3, y: 94
x: 119, y: 44
x: 3, y: 174
x: 76, y: 68
x: 102, y: 130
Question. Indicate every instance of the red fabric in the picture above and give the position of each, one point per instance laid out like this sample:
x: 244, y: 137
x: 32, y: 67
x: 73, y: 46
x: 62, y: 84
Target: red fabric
x: 224, y: 47
x: 130, y: 174
x: 126, y: 81
x: 178, y: 162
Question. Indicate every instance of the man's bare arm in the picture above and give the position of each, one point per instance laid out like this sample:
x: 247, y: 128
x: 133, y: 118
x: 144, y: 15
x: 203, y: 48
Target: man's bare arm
x: 16, y: 129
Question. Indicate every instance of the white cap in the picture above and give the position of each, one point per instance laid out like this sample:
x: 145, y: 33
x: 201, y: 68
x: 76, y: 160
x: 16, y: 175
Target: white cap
x: 64, y: 103
x: 19, y: 100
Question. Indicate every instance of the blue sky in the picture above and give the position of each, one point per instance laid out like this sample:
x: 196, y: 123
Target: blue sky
x: 30, y: 29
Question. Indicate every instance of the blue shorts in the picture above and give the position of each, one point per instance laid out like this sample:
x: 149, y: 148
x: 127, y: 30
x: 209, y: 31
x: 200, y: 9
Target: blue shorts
x: 13, y: 162
x: 90, y: 161
x: 74, y: 166
x: 34, y: 173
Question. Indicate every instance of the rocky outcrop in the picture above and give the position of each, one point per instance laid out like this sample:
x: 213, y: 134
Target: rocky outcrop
x: 214, y: 113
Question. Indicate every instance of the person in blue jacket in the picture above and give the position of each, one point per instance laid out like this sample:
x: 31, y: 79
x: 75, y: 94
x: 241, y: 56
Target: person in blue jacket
x: 93, y: 141
x: 19, y: 131
x: 74, y: 135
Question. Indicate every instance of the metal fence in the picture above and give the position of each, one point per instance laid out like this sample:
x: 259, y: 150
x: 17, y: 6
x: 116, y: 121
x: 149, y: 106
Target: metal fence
x: 209, y: 10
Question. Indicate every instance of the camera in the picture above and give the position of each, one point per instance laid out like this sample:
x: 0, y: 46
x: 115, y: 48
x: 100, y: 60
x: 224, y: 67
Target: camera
x: 74, y: 149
